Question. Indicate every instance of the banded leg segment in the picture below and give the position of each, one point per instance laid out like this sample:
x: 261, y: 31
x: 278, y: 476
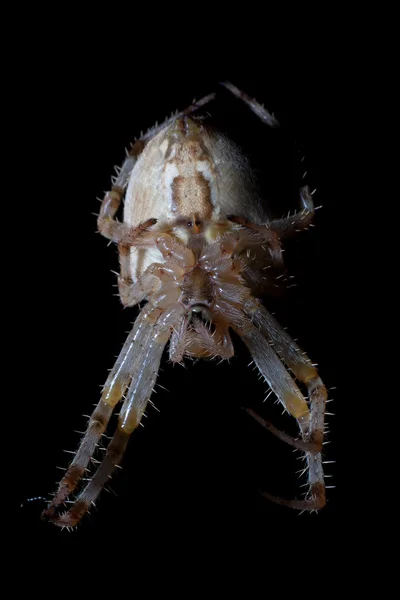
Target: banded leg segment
x: 310, y: 422
x: 143, y: 370
x: 298, y: 362
x: 277, y: 377
x: 269, y: 364
x: 113, y: 456
x: 115, y: 386
x: 146, y: 369
x: 302, y: 368
x: 113, y: 390
x: 97, y: 426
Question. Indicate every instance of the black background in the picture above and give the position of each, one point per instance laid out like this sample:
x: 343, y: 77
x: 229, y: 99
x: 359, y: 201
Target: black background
x: 200, y: 461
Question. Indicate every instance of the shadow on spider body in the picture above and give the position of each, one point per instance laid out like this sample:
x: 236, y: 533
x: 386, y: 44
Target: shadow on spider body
x: 198, y: 247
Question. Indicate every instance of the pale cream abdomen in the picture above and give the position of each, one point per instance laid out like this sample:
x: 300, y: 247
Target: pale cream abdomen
x: 175, y: 179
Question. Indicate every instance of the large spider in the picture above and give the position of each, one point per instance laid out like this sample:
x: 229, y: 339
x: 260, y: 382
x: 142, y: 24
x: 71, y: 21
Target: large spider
x: 197, y: 245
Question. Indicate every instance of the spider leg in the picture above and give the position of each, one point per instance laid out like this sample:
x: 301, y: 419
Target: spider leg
x: 285, y: 388
x: 268, y: 235
x: 303, y: 369
x: 252, y: 103
x: 189, y: 110
x: 288, y: 439
x: 107, y: 224
x: 268, y: 363
x: 97, y: 426
x: 275, y: 373
x: 144, y: 367
x: 117, y: 382
x: 147, y: 285
x: 298, y: 362
x: 301, y: 220
x: 121, y: 233
x: 279, y: 229
x: 132, y: 294
x: 114, y: 453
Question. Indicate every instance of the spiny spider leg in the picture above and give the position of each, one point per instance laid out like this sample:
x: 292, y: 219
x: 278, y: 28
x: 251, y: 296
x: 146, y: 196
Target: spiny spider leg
x: 189, y: 110
x: 136, y: 367
x: 114, y: 388
x: 97, y: 426
x: 282, y: 384
x: 291, y: 225
x: 133, y: 293
x: 302, y: 368
x: 148, y: 284
x: 279, y: 229
x: 269, y: 364
x: 284, y: 437
x: 139, y: 365
x: 114, y: 453
x: 144, y: 369
x: 270, y: 237
x: 252, y: 103
x: 298, y: 362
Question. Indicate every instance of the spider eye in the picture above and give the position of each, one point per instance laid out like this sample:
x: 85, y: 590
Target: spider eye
x: 190, y: 224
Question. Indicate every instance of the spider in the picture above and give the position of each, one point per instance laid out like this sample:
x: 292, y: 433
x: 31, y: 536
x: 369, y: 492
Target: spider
x: 197, y: 246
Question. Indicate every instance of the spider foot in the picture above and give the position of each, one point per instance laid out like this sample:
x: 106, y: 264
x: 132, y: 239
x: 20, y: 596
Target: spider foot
x: 68, y: 519
x: 315, y: 501
x: 297, y: 443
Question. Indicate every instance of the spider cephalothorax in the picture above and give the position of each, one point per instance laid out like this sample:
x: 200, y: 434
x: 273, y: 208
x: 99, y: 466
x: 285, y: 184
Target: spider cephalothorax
x: 196, y: 244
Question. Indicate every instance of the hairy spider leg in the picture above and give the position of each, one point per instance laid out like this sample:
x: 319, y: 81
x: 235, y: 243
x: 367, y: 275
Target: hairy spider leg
x: 132, y: 379
x: 297, y: 361
x: 268, y: 236
x: 303, y: 369
x: 252, y: 103
x: 113, y: 391
x: 288, y: 226
x: 143, y: 370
